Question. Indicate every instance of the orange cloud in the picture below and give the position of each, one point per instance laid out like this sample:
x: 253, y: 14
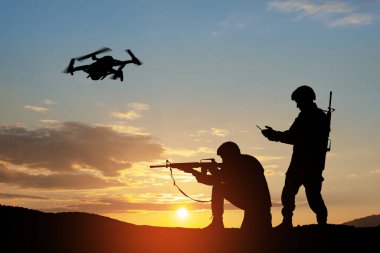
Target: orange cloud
x: 127, y: 129
x: 127, y: 115
x: 120, y: 205
x: 55, y: 181
x: 65, y: 146
x: 188, y: 152
x: 18, y: 196
x: 134, y: 111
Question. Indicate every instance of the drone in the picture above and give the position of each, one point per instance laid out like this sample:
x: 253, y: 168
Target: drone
x: 102, y: 67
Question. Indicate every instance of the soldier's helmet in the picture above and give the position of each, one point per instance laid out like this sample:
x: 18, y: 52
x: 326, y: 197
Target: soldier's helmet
x: 228, y: 149
x: 303, y: 92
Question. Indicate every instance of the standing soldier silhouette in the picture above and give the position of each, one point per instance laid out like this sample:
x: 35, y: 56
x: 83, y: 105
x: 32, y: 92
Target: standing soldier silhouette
x: 308, y: 135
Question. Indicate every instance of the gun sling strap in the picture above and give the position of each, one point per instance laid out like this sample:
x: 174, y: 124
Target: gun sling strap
x: 197, y: 200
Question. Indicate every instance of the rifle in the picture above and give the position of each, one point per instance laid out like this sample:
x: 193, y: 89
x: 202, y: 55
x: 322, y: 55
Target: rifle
x: 190, y: 168
x: 328, y: 140
x: 328, y: 114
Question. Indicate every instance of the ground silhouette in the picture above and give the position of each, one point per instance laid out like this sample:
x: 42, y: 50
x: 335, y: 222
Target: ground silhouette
x: 26, y: 230
x: 369, y: 221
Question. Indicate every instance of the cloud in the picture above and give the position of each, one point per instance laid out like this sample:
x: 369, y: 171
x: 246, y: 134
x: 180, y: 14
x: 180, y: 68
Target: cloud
x: 236, y: 21
x: 218, y: 132
x: 308, y: 8
x: 216, y: 34
x: 233, y: 22
x: 333, y: 14
x: 127, y: 115
x: 48, y: 101
x: 354, y: 19
x: 55, y: 181
x: 268, y: 158
x: 188, y: 152
x: 377, y: 171
x: 50, y: 121
x: 121, y: 205
x: 17, y: 196
x: 42, y: 109
x: 133, y: 112
x: 127, y: 129
x: 139, y: 106
x: 36, y: 108
x: 68, y: 151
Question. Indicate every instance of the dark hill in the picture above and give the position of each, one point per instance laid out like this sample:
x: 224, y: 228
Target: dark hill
x: 25, y: 230
x: 369, y: 221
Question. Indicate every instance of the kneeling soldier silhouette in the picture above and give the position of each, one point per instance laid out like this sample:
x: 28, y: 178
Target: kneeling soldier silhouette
x: 240, y: 180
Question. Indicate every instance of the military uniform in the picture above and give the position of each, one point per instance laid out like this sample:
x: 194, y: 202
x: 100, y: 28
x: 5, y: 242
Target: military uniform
x: 308, y: 135
x: 243, y: 184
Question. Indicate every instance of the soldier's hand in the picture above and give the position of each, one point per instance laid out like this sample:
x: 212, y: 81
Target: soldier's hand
x: 270, y: 134
x: 187, y: 169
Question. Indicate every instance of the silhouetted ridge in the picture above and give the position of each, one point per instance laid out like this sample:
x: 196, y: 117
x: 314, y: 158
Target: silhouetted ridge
x: 26, y: 230
x: 369, y: 221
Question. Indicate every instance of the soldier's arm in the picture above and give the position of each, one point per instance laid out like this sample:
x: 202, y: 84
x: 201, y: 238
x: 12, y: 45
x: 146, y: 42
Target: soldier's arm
x: 204, y: 178
x: 289, y: 136
x: 286, y: 137
x: 273, y: 135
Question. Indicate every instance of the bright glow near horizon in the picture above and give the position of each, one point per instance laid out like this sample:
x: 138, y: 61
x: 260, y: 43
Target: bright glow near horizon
x: 182, y: 213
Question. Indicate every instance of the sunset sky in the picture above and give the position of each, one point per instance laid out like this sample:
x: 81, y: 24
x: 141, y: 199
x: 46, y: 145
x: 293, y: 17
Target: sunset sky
x: 212, y: 71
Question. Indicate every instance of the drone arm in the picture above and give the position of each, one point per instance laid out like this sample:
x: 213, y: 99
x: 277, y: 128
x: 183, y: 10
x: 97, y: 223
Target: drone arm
x: 71, y: 69
x: 127, y: 62
x: 117, y: 62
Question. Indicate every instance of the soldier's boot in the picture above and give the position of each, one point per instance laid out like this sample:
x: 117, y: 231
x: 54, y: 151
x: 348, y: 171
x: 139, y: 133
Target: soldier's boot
x: 322, y: 220
x: 216, y: 224
x: 286, y: 224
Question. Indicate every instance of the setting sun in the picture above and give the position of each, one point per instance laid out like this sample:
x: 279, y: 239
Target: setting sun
x: 182, y: 213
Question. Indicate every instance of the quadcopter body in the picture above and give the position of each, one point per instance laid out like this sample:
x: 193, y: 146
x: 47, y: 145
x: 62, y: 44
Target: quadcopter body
x: 102, y: 67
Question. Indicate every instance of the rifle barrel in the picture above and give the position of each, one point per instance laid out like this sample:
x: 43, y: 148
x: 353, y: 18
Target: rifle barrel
x: 159, y: 166
x: 330, y: 100
x: 186, y: 165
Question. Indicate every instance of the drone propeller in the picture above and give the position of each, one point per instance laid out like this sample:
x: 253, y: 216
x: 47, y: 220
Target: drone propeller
x: 70, y: 67
x: 102, y: 50
x: 119, y: 72
x: 134, y: 58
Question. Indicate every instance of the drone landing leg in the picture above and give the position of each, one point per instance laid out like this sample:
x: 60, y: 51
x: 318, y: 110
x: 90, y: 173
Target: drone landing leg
x: 117, y: 74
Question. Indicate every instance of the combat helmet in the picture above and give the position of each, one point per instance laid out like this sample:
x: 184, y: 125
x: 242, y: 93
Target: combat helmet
x: 303, y: 92
x: 228, y: 148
